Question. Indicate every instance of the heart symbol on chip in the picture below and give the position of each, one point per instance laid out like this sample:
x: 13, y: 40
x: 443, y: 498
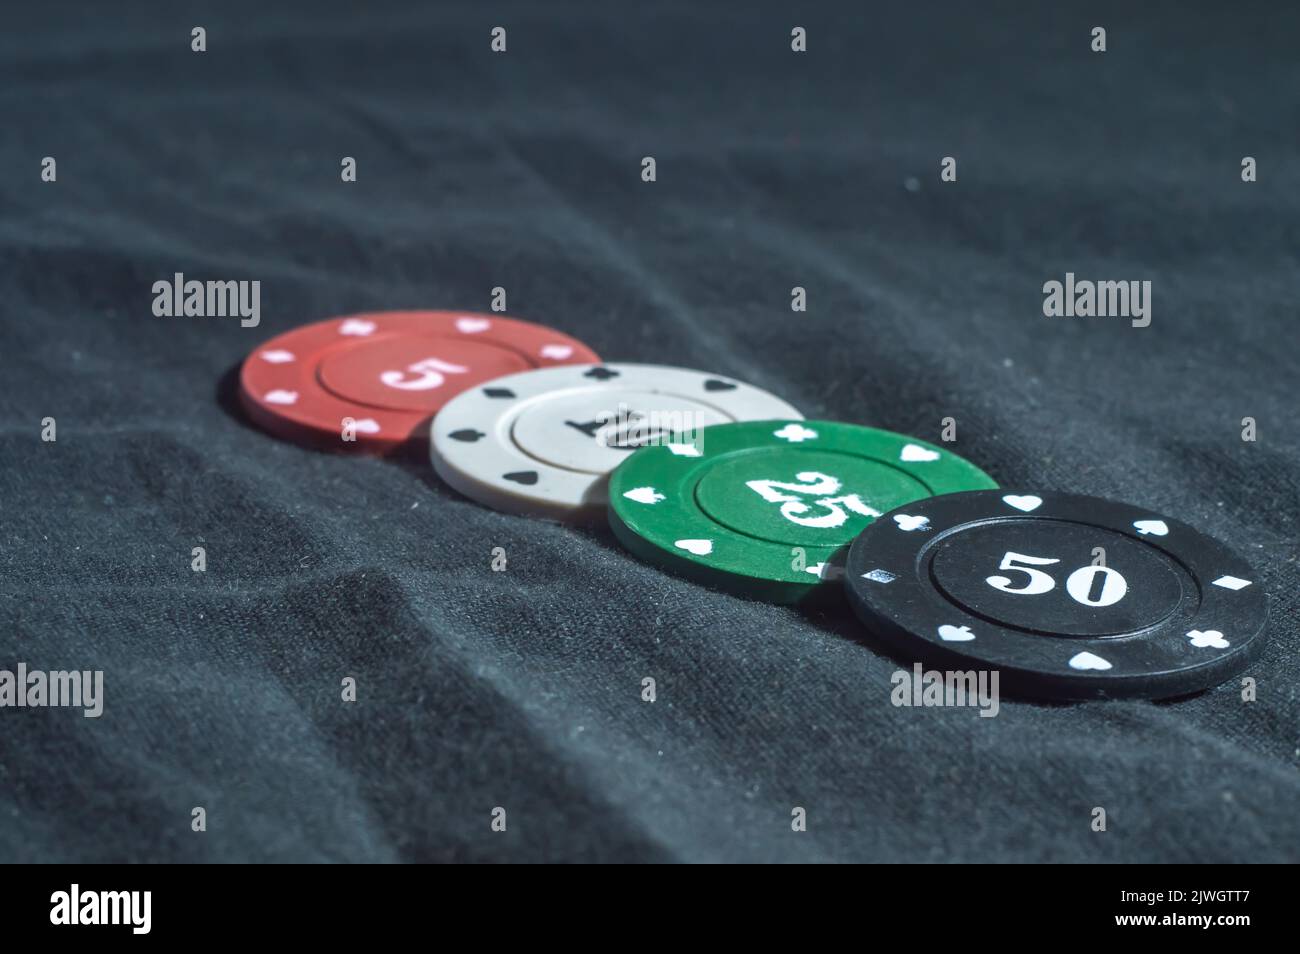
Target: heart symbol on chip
x: 645, y: 495
x: 909, y: 522
x: 1026, y: 503
x: 698, y: 547
x: 1210, y: 639
x: 472, y: 326
x: 1158, y: 527
x: 526, y: 477
x: 280, y: 397
x: 915, y: 452
x: 557, y: 352
x: 277, y: 356
x: 467, y: 434
x: 955, y: 634
x: 1088, y: 661
x: 357, y: 326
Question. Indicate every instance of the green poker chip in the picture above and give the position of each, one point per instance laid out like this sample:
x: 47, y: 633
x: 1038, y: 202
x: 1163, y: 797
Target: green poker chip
x: 767, y: 508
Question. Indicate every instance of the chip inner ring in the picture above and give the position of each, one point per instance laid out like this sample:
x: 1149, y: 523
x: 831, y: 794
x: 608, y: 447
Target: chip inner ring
x: 1041, y: 576
x: 807, y: 497
x: 399, y: 371
x: 594, y: 429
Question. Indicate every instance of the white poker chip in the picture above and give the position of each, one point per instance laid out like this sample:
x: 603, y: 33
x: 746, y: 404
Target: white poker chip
x: 543, y: 442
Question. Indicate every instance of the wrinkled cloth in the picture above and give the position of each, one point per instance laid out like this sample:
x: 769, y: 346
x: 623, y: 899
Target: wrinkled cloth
x: 522, y: 689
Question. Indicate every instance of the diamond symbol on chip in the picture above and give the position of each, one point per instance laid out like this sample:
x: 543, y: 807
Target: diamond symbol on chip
x: 600, y: 374
x: 880, y: 576
x: 795, y: 433
x: 357, y: 326
x: 1232, y: 583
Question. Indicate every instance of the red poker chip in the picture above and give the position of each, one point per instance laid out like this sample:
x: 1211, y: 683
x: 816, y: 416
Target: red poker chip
x: 388, y: 371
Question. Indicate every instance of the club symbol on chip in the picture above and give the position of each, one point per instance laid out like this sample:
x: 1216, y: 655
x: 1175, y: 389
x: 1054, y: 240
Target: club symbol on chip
x: 911, y: 522
x: 1209, y: 639
x: 955, y: 634
x: 795, y: 433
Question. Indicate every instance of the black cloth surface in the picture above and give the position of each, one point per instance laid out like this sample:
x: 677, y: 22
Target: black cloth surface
x: 522, y: 689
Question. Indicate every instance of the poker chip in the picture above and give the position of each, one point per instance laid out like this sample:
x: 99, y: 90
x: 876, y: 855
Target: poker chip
x: 379, y: 377
x: 543, y: 442
x: 767, y: 508
x: 1067, y: 596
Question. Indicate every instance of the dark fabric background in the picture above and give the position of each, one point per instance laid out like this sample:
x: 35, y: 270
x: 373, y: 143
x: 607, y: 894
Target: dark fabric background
x: 521, y: 689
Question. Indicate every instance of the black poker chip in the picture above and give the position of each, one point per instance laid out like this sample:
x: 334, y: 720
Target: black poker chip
x: 1067, y: 596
